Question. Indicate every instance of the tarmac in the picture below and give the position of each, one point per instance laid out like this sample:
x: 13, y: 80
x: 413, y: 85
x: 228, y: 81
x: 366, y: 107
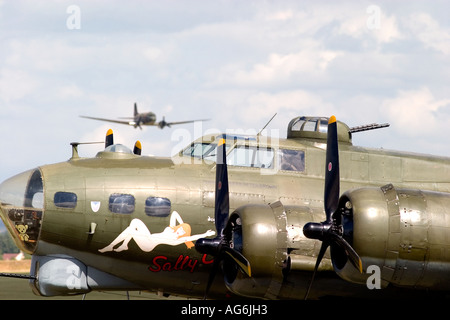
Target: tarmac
x: 19, y: 289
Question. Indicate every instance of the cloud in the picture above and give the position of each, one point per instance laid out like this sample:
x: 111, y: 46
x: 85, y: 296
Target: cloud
x: 373, y: 23
x: 16, y: 85
x: 416, y: 113
x: 234, y: 62
x: 279, y: 69
x: 429, y: 32
x: 295, y: 101
x: 251, y: 111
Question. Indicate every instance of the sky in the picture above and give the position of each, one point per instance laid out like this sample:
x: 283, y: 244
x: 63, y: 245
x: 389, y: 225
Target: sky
x: 234, y: 62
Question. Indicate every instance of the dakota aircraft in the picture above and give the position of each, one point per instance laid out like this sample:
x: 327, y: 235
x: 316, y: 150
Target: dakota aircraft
x: 143, y: 119
x: 239, y: 216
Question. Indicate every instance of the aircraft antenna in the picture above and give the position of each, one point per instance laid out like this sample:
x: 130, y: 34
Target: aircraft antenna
x: 259, y: 133
x: 75, y: 148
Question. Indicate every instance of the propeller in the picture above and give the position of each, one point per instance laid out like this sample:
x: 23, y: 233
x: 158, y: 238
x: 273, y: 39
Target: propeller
x: 220, y: 247
x: 109, y: 140
x: 137, y: 148
x: 162, y: 124
x: 330, y: 231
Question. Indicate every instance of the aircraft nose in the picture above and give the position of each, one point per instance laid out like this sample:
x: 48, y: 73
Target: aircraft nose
x: 21, y: 208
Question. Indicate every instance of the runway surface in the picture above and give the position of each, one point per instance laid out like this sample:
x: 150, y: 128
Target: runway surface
x: 19, y: 289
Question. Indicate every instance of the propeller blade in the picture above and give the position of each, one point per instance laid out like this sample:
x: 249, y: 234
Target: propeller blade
x: 212, y: 275
x: 222, y: 200
x: 219, y: 247
x: 332, y: 170
x: 237, y: 257
x: 330, y: 230
x: 109, y: 140
x: 240, y: 260
x: 322, y: 251
x: 351, y: 253
x: 137, y: 148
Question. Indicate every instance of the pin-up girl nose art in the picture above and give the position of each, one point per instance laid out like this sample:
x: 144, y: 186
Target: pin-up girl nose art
x: 175, y: 234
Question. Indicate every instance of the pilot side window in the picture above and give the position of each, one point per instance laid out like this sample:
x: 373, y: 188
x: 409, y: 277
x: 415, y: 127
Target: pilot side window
x: 121, y: 203
x: 292, y: 160
x: 65, y: 200
x: 246, y: 156
x: 201, y: 151
x: 157, y: 207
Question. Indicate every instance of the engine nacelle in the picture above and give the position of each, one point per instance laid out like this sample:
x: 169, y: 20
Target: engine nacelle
x: 271, y: 238
x: 403, y: 232
x: 256, y: 235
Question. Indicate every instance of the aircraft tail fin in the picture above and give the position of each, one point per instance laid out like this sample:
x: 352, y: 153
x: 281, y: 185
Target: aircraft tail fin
x: 135, y: 109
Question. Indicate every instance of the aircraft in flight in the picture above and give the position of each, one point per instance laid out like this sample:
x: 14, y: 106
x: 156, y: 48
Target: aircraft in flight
x: 246, y: 216
x: 143, y: 119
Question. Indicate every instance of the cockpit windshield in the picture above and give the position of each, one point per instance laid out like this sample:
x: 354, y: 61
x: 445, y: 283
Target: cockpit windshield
x: 251, y: 156
x: 239, y: 153
x: 199, y: 150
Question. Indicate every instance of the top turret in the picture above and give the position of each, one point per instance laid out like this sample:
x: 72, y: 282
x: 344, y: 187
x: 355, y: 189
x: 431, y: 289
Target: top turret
x: 315, y: 128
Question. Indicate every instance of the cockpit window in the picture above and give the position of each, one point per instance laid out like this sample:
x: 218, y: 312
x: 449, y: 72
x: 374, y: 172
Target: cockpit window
x: 240, y: 155
x: 255, y: 157
x: 292, y: 160
x: 201, y: 151
x: 65, y: 200
x: 121, y: 203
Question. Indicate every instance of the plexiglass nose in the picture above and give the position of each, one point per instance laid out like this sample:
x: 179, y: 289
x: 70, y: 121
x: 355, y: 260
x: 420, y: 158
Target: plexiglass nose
x: 21, y: 208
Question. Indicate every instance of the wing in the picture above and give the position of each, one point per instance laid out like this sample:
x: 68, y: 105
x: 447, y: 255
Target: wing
x: 130, y: 123
x: 163, y: 122
x: 183, y: 122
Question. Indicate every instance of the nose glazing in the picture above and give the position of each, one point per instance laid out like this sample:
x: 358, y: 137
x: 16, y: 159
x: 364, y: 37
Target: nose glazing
x: 21, y: 208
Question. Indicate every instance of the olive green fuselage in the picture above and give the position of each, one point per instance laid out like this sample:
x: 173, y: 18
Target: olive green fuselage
x: 121, y: 213
x: 190, y: 188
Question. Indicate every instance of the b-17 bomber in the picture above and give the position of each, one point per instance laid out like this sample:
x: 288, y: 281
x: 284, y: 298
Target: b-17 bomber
x: 308, y: 216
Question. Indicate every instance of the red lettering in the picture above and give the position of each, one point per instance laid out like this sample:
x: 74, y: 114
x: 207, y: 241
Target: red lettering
x: 178, y: 263
x: 156, y: 267
x: 161, y: 263
x: 186, y: 259
x: 204, y: 259
x: 167, y: 266
x: 192, y: 264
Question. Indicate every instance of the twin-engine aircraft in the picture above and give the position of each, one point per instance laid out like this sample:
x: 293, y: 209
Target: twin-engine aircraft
x: 238, y: 216
x: 143, y: 119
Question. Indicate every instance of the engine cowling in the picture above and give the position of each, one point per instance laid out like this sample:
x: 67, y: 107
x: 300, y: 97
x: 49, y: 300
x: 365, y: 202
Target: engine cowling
x: 259, y: 233
x: 403, y: 232
x: 271, y: 238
